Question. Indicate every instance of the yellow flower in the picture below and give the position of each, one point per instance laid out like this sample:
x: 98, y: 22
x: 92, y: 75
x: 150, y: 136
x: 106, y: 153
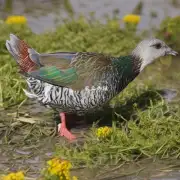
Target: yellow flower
x: 131, y: 18
x: 103, y: 132
x: 16, y: 20
x: 60, y: 168
x: 14, y: 176
x: 74, y: 178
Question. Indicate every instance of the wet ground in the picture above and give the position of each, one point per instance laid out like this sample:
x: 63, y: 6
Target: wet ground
x: 28, y: 140
x: 23, y: 142
x: 23, y: 151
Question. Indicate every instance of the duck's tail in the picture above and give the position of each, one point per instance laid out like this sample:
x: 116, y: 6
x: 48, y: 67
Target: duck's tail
x: 26, y: 57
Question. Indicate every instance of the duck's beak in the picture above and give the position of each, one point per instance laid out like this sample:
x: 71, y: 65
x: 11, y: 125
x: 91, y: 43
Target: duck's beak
x: 171, y: 52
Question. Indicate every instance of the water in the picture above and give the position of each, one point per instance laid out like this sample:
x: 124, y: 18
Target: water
x: 42, y: 14
x: 32, y: 151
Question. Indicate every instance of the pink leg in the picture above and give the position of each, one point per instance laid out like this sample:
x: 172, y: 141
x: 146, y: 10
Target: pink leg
x: 62, y: 129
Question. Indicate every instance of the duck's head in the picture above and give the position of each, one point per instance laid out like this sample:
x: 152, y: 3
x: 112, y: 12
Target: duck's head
x: 149, y: 50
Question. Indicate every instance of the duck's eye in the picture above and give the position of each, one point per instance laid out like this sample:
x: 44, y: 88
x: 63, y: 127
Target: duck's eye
x: 158, y: 45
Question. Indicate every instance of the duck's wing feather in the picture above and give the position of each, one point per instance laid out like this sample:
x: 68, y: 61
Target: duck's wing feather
x: 70, y: 69
x: 73, y: 70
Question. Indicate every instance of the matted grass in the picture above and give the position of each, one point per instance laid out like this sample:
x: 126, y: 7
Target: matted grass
x: 145, y: 126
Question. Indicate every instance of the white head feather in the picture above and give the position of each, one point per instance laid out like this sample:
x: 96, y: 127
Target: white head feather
x: 149, y: 50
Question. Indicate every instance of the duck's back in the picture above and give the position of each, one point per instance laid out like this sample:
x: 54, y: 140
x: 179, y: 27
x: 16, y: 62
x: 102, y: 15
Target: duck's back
x: 88, y: 99
x: 72, y: 81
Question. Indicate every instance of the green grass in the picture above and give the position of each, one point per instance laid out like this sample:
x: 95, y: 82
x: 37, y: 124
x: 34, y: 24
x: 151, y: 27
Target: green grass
x: 144, y: 125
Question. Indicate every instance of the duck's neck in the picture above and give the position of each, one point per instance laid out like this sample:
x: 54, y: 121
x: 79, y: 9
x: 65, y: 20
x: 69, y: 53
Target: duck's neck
x: 131, y: 64
x: 145, y: 58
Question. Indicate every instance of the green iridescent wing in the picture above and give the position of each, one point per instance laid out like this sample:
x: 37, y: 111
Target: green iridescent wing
x: 72, y: 70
